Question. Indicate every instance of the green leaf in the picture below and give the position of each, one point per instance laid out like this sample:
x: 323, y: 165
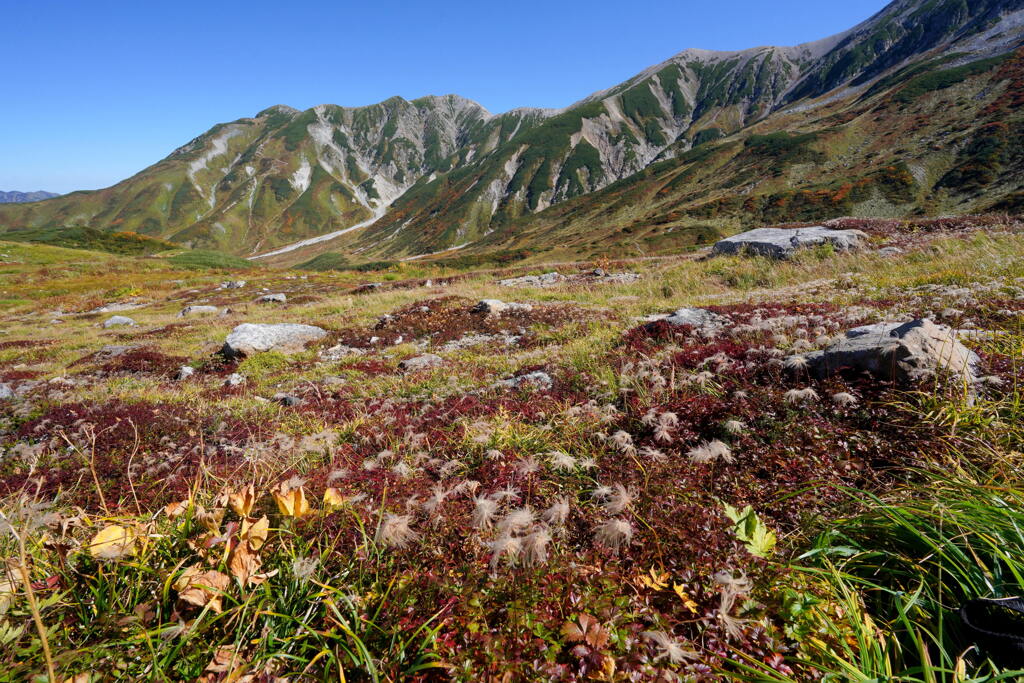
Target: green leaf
x: 748, y: 527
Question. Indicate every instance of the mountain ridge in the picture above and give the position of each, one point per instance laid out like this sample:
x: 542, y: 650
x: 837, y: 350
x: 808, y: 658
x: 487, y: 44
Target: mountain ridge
x: 419, y: 176
x: 19, y: 197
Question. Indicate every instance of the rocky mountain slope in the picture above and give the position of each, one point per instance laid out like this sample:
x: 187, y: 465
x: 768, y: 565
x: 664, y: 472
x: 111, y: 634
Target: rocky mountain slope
x: 690, y: 147
x: 15, y: 197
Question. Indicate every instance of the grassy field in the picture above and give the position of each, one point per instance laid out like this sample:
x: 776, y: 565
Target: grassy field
x: 666, y: 505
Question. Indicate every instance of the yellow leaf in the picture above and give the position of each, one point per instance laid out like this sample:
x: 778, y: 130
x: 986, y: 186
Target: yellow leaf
x: 292, y: 503
x: 242, y: 502
x: 112, y: 542
x: 7, y: 593
x: 688, y: 602
x: 333, y: 498
x: 655, y: 580
x: 255, y: 531
x: 201, y: 588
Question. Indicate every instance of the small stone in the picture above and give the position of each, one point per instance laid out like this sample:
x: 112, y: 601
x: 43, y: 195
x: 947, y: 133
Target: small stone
x: 118, y: 321
x: 184, y: 372
x: 286, y: 399
x: 233, y: 284
x: 700, y: 318
x: 339, y: 351
x: 6, y: 392
x: 234, y: 380
x: 272, y: 299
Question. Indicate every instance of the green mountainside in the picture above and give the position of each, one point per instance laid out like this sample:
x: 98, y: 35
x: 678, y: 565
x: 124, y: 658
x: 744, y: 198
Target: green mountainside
x: 915, y: 110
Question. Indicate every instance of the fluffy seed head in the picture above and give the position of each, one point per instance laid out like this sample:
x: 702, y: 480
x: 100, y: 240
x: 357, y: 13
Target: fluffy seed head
x: 615, y: 533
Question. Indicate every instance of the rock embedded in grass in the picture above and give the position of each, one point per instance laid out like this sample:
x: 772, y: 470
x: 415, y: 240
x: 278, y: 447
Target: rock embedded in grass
x: 286, y: 400
x: 700, y: 318
x: 249, y: 338
x: 498, y: 307
x: 6, y: 392
x: 427, y: 360
x: 272, y: 299
x: 118, y: 321
x: 904, y: 352
x: 184, y: 372
x: 190, y: 311
x: 538, y: 379
x: 782, y: 243
x: 545, y: 280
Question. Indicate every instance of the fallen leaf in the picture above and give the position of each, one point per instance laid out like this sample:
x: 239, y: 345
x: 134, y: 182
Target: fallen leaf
x: 112, y: 543
x: 292, y: 502
x: 333, y: 498
x: 255, y: 531
x: 202, y: 587
x: 175, y: 510
x: 244, y: 563
x: 242, y: 502
x: 687, y: 600
x: 211, y: 519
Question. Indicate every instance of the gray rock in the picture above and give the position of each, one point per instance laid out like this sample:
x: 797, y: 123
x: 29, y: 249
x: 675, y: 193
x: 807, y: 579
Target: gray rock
x: 234, y: 380
x: 249, y: 338
x: 6, y: 392
x: 339, y: 351
x: 904, y: 352
x: 116, y: 307
x: 118, y: 321
x: 784, y: 242
x: 114, y: 350
x: 498, y: 307
x: 286, y: 399
x: 272, y: 299
x: 697, y: 317
x: 619, y: 278
x: 541, y: 380
x: 889, y: 251
x: 233, y: 284
x: 184, y: 372
x: 189, y: 311
x: 546, y: 280
x: 427, y: 360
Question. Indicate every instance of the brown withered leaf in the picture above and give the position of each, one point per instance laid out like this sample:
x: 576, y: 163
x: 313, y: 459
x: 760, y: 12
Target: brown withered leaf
x: 200, y: 587
x: 244, y: 563
x: 255, y: 531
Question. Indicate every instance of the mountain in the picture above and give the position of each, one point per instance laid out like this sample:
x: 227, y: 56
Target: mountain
x: 916, y: 109
x: 15, y: 197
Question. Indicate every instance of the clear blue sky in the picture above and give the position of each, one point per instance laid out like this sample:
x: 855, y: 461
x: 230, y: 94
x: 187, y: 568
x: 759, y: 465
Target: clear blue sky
x: 93, y: 92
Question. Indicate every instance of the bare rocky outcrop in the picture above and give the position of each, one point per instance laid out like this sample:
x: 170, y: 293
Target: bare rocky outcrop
x: 784, y: 242
x: 903, y: 352
x: 249, y: 338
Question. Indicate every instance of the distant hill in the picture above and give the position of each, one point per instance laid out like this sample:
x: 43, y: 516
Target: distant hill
x: 15, y: 197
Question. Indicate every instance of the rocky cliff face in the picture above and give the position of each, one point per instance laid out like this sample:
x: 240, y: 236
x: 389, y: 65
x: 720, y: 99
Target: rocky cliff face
x: 442, y: 172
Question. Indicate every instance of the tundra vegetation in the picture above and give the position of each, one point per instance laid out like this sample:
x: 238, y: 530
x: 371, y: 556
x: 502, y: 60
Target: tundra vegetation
x: 559, y: 491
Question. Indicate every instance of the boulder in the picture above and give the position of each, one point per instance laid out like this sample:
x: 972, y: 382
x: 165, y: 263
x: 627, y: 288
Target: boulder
x: 427, y: 360
x: 700, y: 318
x: 233, y: 284
x: 272, y: 299
x: 497, y: 307
x: 904, y: 352
x: 784, y: 242
x: 118, y: 321
x: 189, y: 311
x: 249, y: 338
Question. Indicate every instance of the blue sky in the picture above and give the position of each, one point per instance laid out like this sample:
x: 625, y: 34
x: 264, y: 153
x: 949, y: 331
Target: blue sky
x: 93, y: 92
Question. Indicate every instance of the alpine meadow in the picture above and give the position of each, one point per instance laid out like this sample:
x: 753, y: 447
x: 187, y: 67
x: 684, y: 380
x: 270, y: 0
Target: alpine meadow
x: 714, y: 375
